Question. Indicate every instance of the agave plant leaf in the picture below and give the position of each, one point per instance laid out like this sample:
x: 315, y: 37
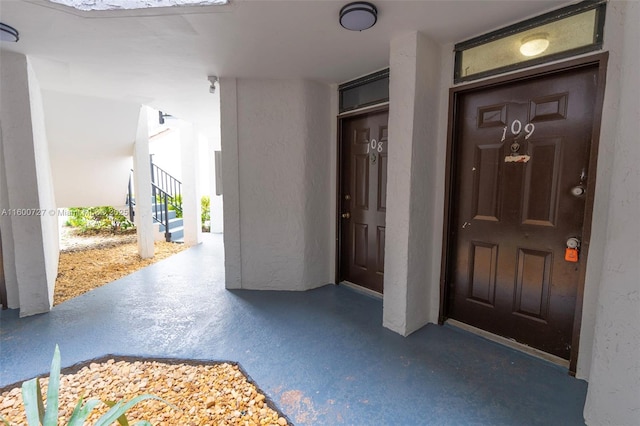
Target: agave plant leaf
x: 123, y: 418
x: 32, y: 400
x: 51, y: 413
x: 82, y: 411
x: 121, y: 407
x: 4, y: 422
x: 142, y: 423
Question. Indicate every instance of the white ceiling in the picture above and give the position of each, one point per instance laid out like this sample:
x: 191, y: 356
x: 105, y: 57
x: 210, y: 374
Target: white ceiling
x: 162, y: 57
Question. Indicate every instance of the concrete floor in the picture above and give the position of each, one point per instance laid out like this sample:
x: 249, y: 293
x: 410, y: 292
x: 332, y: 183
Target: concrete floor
x: 322, y: 356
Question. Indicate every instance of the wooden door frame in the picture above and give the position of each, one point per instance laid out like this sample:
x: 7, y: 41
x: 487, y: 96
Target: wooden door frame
x: 600, y: 61
x: 341, y: 118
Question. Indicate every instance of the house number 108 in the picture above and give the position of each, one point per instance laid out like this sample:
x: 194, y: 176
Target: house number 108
x: 374, y: 146
x: 516, y: 128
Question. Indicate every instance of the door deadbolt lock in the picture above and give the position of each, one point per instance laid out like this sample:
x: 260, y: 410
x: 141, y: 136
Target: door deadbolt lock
x: 578, y: 191
x: 573, y: 243
x: 347, y: 197
x: 346, y: 215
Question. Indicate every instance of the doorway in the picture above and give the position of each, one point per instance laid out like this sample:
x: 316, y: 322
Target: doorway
x: 521, y: 158
x: 362, y: 181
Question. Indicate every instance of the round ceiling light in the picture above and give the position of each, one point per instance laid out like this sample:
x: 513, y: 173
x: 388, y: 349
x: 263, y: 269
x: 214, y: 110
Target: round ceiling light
x: 8, y: 33
x: 534, y: 45
x: 358, y: 16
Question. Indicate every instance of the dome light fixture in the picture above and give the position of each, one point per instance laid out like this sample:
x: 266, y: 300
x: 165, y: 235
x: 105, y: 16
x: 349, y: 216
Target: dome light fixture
x: 358, y: 16
x: 8, y: 33
x: 534, y: 44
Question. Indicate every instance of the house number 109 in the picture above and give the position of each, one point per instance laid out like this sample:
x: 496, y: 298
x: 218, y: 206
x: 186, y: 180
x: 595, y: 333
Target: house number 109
x: 374, y: 146
x: 516, y: 128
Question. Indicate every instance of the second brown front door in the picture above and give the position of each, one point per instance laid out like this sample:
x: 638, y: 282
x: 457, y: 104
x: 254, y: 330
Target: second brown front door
x: 519, y: 191
x: 363, y: 199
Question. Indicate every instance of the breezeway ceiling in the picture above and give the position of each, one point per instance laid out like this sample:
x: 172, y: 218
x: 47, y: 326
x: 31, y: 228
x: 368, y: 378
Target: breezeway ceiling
x: 162, y: 57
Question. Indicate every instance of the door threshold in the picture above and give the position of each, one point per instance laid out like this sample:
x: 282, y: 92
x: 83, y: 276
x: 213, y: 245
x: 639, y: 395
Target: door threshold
x: 510, y: 343
x: 363, y: 290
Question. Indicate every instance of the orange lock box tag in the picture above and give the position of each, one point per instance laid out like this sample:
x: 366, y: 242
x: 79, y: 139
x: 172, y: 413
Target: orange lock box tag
x: 571, y: 255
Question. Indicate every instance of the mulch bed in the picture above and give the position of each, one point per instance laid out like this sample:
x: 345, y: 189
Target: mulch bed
x: 88, y: 262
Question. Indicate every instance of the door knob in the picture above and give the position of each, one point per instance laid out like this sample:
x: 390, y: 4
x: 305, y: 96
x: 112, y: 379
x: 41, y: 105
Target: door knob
x: 346, y: 215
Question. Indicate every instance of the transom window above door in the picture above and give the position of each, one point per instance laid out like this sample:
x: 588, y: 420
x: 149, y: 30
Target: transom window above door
x: 562, y: 33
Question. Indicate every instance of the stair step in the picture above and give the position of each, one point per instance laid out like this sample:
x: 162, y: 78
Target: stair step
x: 173, y: 224
x: 160, y: 211
x: 177, y: 233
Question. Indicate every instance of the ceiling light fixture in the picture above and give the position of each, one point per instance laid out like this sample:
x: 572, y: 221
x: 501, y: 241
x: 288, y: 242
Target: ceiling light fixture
x: 534, y: 44
x: 358, y: 16
x: 8, y: 33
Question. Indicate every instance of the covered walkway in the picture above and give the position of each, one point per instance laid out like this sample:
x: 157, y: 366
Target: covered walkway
x: 322, y: 356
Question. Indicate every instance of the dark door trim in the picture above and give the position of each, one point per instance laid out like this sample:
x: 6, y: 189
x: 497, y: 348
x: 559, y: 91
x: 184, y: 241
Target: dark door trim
x: 599, y: 61
x: 3, y: 284
x: 341, y: 118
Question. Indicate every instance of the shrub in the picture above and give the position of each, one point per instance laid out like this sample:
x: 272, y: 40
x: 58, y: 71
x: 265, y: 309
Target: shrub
x: 98, y: 219
x: 205, y: 215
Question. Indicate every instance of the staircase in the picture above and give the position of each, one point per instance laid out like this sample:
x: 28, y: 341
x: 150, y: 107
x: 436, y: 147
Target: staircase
x: 166, y: 203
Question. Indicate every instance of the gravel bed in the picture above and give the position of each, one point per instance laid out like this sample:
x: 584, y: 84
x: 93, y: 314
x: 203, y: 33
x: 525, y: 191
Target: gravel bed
x: 200, y: 394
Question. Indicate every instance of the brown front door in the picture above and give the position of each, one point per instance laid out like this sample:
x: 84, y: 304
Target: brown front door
x: 521, y: 154
x: 363, y: 198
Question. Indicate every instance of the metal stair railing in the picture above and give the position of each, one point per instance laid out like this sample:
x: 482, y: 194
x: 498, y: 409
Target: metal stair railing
x: 161, y: 209
x: 169, y: 185
x: 165, y: 191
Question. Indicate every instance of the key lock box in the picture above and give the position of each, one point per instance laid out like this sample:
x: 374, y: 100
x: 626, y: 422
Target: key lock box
x: 571, y: 252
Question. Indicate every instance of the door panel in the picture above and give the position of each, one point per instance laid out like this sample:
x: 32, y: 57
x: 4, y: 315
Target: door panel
x: 520, y: 148
x: 363, y: 198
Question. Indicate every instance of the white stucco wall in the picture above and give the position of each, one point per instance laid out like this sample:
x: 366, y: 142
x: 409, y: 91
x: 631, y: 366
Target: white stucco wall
x: 614, y: 42
x: 49, y: 221
x: 31, y: 242
x: 191, y: 207
x: 283, y: 146
x: 614, y: 384
x: 410, y: 298
x: 90, y: 145
x: 142, y: 186
x: 231, y: 182
x: 8, y: 255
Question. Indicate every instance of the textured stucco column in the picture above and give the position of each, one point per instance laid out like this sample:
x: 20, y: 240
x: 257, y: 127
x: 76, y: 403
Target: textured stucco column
x: 216, y: 205
x: 190, y: 173
x: 29, y: 225
x: 275, y: 152
x: 231, y: 182
x: 413, y: 136
x: 142, y: 181
x: 613, y: 396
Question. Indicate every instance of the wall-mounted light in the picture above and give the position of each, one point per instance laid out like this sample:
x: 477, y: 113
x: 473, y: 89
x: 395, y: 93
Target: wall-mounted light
x: 358, y: 16
x: 534, y: 44
x: 212, y: 80
x: 162, y: 116
x: 8, y: 33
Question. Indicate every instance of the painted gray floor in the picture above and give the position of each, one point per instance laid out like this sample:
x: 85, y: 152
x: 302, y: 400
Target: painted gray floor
x: 322, y: 356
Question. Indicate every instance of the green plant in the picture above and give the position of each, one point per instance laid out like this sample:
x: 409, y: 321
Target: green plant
x: 205, y: 214
x: 173, y: 203
x: 37, y: 414
x: 98, y: 218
